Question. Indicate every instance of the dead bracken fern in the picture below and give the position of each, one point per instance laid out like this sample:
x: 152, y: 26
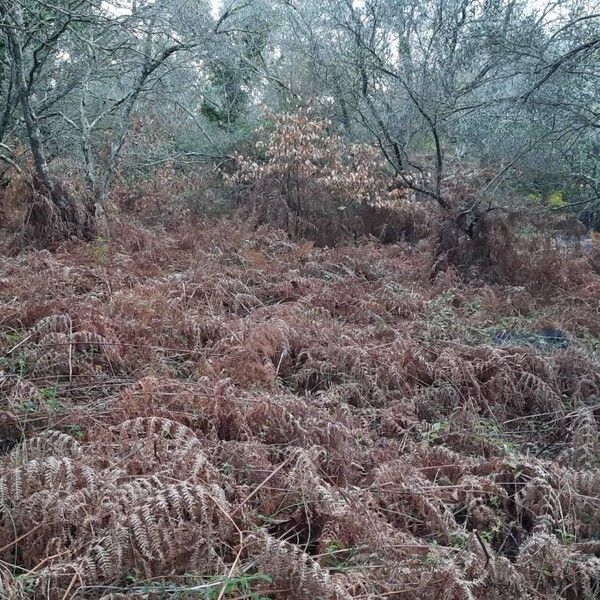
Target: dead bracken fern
x: 224, y: 412
x: 289, y: 566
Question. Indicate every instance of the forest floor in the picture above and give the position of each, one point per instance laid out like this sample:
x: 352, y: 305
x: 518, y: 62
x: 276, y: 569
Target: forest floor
x: 219, y: 412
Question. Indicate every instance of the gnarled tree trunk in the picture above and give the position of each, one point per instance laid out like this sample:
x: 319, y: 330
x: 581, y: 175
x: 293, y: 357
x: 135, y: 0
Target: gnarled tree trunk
x: 53, y: 214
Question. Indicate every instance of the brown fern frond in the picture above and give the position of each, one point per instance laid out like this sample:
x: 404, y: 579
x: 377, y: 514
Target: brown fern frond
x: 289, y: 566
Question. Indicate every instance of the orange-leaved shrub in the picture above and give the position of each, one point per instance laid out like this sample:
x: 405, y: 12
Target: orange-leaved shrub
x: 310, y: 181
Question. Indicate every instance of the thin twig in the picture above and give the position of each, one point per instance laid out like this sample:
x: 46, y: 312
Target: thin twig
x: 21, y: 537
x: 485, y: 551
x: 9, y: 352
x: 70, y: 586
x: 261, y: 485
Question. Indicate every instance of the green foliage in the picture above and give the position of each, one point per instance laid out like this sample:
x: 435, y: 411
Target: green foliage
x: 459, y: 539
x: 566, y: 536
x: 437, y: 429
x: 227, y: 99
x: 75, y: 431
x: 557, y: 199
x: 492, y: 431
x: 15, y: 364
x: 13, y: 337
x: 212, y: 112
x: 50, y: 396
x: 339, y: 558
x: 489, y: 535
x: 100, y: 250
x: 227, y: 469
x: 240, y: 586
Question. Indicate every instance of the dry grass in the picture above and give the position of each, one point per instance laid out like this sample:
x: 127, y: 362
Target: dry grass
x: 222, y: 413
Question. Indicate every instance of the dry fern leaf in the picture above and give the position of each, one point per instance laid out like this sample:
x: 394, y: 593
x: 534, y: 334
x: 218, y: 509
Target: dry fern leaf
x: 294, y: 570
x: 48, y: 443
x: 142, y: 427
x: 50, y: 473
x: 168, y: 442
x: 53, y: 324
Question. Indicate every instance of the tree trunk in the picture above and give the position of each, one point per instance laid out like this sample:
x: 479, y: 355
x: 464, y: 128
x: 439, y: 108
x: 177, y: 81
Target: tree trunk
x: 53, y: 215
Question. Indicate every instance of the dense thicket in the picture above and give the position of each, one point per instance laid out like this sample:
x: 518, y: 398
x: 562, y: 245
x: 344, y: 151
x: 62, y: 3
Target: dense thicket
x: 499, y: 96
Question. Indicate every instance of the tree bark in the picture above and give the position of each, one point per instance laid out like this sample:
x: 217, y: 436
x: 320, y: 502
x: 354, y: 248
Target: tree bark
x: 31, y: 122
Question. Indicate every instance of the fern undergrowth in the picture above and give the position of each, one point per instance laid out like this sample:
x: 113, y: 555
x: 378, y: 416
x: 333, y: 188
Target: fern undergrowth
x: 222, y: 413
